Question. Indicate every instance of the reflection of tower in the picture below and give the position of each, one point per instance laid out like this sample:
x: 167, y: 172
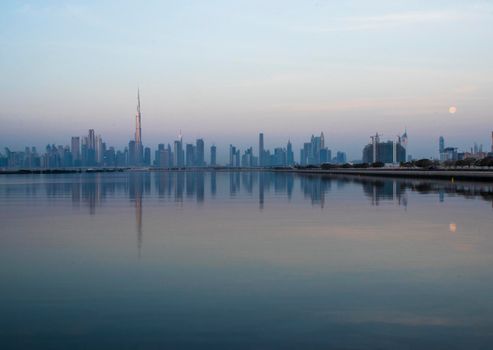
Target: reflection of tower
x: 247, y: 180
x: 213, y: 155
x: 179, y: 186
x: 135, y: 192
x: 138, y: 219
x: 261, y: 149
x: 213, y: 183
x: 290, y: 184
x: 261, y: 191
x: 200, y: 186
x: 234, y: 183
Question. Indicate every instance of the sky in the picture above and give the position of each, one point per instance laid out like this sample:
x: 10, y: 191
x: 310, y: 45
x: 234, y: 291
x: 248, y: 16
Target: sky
x: 225, y: 70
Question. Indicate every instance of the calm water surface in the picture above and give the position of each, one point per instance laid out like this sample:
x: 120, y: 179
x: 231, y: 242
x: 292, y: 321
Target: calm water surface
x: 218, y: 260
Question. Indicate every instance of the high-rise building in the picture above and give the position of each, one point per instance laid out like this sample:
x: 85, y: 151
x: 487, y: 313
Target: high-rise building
x: 199, y: 153
x: 163, y: 157
x: 189, y: 155
x: 449, y: 153
x: 147, y: 156
x: 132, y: 159
x: 315, y: 152
x: 384, y: 152
x: 279, y: 157
x: 139, y: 149
x: 75, y: 150
x: 91, y: 139
x: 341, y: 158
x: 213, y: 155
x: 404, y: 139
x: 261, y: 151
x: 441, y: 147
x: 157, y: 155
x: 178, y: 153
x: 237, y: 158
x: 232, y: 155
x: 91, y: 149
x: 99, y: 151
x: 248, y: 160
x: 289, y: 154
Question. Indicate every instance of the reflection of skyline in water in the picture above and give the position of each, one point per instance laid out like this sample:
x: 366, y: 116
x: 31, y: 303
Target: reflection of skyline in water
x: 364, y: 257
x: 92, y: 190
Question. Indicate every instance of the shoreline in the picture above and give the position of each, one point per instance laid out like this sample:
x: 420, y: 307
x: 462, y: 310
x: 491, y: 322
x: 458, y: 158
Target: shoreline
x: 442, y: 174
x: 485, y: 175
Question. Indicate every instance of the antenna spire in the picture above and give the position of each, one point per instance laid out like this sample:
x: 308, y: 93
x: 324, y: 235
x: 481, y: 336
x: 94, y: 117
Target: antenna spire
x: 138, y: 100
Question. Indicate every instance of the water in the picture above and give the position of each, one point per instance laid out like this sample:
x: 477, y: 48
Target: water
x: 244, y: 261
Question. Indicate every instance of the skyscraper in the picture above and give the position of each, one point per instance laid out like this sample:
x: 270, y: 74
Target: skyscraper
x: 314, y: 152
x: 199, y: 153
x: 75, y: 150
x: 138, y: 133
x: 404, y: 139
x: 138, y: 119
x: 178, y: 152
x: 232, y: 154
x: 91, y: 148
x: 190, y: 155
x: 289, y: 154
x: 213, y: 155
x: 441, y: 148
x: 99, y: 151
x: 384, y: 152
x: 261, y: 156
x: 91, y: 139
x: 131, y: 153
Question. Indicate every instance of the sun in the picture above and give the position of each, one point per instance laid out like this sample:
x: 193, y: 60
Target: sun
x: 452, y: 109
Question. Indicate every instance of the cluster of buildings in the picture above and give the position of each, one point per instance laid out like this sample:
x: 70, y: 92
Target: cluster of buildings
x: 87, y: 151
x: 280, y: 157
x: 378, y: 151
x: 192, y: 155
x: 92, y: 151
x: 449, y: 153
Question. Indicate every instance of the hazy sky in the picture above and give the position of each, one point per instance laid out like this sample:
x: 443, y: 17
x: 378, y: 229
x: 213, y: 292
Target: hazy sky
x: 225, y: 70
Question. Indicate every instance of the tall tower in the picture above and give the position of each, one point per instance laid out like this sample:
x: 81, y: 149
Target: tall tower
x: 261, y: 156
x: 213, y: 155
x: 76, y: 150
x: 138, y: 116
x: 139, y: 149
x: 404, y: 139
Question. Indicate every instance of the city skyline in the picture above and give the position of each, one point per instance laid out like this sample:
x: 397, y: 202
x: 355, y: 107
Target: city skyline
x: 74, y: 66
x: 92, y: 151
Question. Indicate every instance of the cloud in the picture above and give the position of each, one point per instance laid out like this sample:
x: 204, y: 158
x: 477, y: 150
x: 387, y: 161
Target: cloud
x: 360, y: 23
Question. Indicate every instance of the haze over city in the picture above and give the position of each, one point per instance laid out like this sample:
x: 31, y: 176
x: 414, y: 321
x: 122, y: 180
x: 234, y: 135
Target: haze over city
x: 224, y: 71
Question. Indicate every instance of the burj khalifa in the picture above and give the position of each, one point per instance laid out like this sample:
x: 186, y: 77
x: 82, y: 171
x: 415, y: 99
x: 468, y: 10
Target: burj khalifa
x: 139, y: 149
